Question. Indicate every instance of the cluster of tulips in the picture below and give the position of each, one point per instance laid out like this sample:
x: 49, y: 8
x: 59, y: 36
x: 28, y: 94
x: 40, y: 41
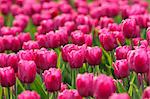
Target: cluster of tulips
x: 74, y: 49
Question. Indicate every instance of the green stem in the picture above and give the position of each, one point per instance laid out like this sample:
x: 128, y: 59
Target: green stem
x: 8, y: 92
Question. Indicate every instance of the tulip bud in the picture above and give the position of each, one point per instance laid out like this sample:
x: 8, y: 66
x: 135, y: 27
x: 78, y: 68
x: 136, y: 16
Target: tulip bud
x: 7, y: 77
x: 130, y: 29
x: 52, y: 79
x: 138, y: 60
x: 30, y: 45
x: 104, y: 87
x: 67, y: 49
x: 77, y: 37
x: 69, y: 94
x: 29, y: 95
x: 121, y: 68
x: 42, y: 41
x: 119, y: 96
x: 122, y: 51
x: 70, y: 26
x: 46, y: 59
x: 84, y: 83
x: 36, y: 18
x: 93, y: 55
x: 146, y: 93
x: 84, y: 28
x: 76, y: 58
x: 26, y: 71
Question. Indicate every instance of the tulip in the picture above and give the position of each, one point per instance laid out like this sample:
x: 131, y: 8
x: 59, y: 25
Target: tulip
x: 3, y: 60
x: 52, y: 79
x: 104, y: 21
x: 76, y: 58
x: 53, y: 39
x: 93, y: 55
x: 29, y: 95
x: 146, y: 93
x: 27, y: 55
x: 84, y: 83
x: 88, y: 39
x: 42, y: 40
x: 109, y: 40
x: 63, y: 36
x: 121, y: 68
x: 119, y: 96
x: 24, y: 37
x: 67, y: 49
x: 12, y: 60
x: 46, y: 59
x: 1, y: 21
x: 26, y: 71
x: 122, y: 51
x: 63, y: 87
x: 69, y: 94
x: 130, y: 29
x: 7, y: 77
x: 77, y: 37
x: 36, y: 18
x: 70, y: 26
x: 2, y: 47
x: 138, y: 60
x: 84, y: 28
x: 104, y: 87
x: 30, y: 45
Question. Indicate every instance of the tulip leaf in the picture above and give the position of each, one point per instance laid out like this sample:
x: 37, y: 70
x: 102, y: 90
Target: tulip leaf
x: 130, y: 91
x: 120, y: 87
x: 37, y: 86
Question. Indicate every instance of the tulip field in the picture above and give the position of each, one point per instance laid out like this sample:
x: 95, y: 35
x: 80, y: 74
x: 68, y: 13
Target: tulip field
x: 74, y: 49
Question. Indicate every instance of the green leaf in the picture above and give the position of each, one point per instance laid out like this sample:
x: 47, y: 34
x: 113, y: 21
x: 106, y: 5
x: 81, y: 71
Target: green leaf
x: 130, y: 91
x: 120, y: 87
x: 37, y: 86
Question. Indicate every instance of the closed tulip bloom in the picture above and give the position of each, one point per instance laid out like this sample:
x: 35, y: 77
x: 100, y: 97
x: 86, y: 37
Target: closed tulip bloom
x: 69, y: 94
x: 27, y: 55
x: 12, y: 60
x: 130, y: 29
x: 93, y: 55
x: 146, y: 93
x: 84, y: 28
x: 36, y: 18
x: 119, y: 96
x: 121, y: 68
x: 108, y: 41
x: 26, y: 71
x: 30, y: 45
x: 138, y: 60
x: 88, y: 39
x: 67, y: 49
x: 2, y: 47
x: 63, y: 87
x: 24, y: 37
x: 104, y: 21
x: 42, y: 40
x: 52, y: 79
x: 7, y: 77
x: 64, y: 38
x: 70, y: 26
x: 46, y: 59
x: 3, y: 60
x: 53, y: 39
x: 122, y: 51
x: 77, y: 37
x: 104, y: 87
x: 76, y: 58
x: 84, y: 84
x: 28, y: 95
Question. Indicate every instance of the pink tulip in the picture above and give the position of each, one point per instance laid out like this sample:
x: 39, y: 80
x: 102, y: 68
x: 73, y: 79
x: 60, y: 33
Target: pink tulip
x: 29, y: 95
x: 118, y: 96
